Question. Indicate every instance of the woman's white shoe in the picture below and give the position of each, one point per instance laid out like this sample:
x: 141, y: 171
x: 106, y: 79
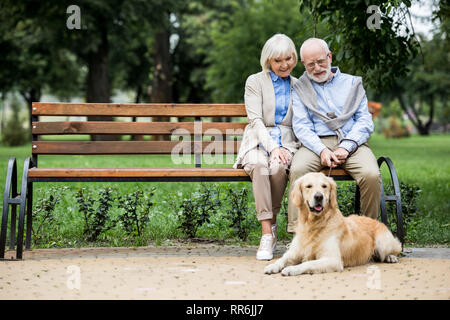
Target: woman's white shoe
x: 265, y: 251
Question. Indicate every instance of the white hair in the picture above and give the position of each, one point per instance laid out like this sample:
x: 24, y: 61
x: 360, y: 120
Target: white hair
x: 277, y: 46
x: 316, y: 41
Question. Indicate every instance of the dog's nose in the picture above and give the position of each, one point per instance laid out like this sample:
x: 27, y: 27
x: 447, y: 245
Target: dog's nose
x: 318, y: 197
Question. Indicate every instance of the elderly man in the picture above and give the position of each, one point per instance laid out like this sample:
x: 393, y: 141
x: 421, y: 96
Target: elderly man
x: 332, y: 121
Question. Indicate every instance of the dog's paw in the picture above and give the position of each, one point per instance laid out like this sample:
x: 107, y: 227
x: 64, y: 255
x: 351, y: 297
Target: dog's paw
x: 391, y: 259
x: 291, y: 271
x: 272, y: 268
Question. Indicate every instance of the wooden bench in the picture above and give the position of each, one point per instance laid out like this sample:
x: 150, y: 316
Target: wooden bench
x: 195, y: 142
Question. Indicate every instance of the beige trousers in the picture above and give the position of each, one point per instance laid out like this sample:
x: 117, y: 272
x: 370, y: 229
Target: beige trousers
x: 362, y: 166
x: 269, y: 180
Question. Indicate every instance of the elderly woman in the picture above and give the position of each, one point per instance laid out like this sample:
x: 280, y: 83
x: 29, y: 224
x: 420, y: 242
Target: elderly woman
x: 269, y: 143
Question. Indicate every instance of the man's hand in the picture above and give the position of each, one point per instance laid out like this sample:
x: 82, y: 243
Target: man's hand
x: 341, y: 154
x: 281, y: 155
x: 328, y: 158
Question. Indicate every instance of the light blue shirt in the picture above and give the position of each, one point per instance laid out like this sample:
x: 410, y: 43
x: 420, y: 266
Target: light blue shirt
x: 331, y: 97
x: 282, y: 89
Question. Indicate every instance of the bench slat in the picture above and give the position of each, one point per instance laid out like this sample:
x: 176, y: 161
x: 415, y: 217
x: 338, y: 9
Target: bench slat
x: 138, y: 110
x: 132, y: 147
x: 134, y: 172
x: 137, y: 128
x: 147, y: 172
x: 338, y: 172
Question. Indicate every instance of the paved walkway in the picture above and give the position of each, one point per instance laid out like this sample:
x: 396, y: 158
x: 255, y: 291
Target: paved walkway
x: 211, y: 271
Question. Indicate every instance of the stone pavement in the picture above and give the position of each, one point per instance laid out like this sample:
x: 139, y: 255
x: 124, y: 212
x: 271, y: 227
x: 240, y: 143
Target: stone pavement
x: 209, y: 272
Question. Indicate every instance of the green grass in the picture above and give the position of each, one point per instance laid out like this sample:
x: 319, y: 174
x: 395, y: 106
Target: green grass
x: 418, y: 160
x: 425, y: 162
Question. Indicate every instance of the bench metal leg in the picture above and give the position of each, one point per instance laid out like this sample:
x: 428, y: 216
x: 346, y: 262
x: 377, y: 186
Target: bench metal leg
x: 29, y: 215
x: 383, y: 209
x: 14, y: 195
x: 396, y: 198
x: 9, y: 194
x: 357, y: 200
x: 23, y: 206
x: 14, y: 199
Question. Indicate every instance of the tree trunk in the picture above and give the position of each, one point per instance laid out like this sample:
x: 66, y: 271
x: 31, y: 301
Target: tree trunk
x: 33, y: 95
x: 2, y: 119
x: 445, y: 117
x: 134, y: 119
x: 430, y: 115
x: 423, y: 130
x: 161, y: 91
x: 98, y: 85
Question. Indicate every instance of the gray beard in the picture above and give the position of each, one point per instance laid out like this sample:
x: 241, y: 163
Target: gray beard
x: 323, y: 78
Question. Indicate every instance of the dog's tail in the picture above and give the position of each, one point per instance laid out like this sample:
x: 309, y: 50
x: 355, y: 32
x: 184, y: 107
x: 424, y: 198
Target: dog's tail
x: 386, y: 244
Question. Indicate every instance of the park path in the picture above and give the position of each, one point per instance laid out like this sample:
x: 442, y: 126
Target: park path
x: 210, y: 272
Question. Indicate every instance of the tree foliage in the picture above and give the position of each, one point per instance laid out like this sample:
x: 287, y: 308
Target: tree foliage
x: 380, y: 54
x: 210, y: 47
x: 422, y: 94
x: 427, y: 87
x: 238, y: 39
x: 32, y: 60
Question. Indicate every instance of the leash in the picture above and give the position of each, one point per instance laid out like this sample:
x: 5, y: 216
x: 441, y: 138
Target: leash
x: 349, y: 155
x: 331, y: 168
x: 356, y: 143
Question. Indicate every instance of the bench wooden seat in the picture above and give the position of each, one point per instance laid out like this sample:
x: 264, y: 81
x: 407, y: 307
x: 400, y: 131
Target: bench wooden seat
x: 146, y: 172
x: 208, y: 132
x: 136, y: 173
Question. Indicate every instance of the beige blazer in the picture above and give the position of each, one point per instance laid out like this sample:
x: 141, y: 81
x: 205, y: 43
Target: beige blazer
x: 260, y: 106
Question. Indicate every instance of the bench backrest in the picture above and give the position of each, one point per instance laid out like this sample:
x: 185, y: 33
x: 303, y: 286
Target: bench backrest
x: 224, y: 134
x: 186, y: 137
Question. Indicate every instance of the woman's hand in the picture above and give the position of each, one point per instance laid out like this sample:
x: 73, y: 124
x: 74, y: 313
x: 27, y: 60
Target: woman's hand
x: 281, y: 155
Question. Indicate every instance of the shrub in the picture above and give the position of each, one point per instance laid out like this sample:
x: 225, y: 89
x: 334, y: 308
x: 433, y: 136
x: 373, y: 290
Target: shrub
x: 136, y: 211
x: 196, y: 209
x: 14, y: 134
x: 188, y: 217
x: 44, y: 227
x: 96, y: 220
x: 395, y: 129
x: 242, y: 221
x: 409, y: 195
x: 284, y: 205
x: 346, y: 197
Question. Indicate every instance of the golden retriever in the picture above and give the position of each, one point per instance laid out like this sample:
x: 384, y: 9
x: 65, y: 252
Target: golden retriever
x: 325, y: 240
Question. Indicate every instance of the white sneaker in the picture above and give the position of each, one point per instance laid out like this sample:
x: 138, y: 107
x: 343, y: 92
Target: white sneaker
x: 265, y: 251
x: 274, y: 236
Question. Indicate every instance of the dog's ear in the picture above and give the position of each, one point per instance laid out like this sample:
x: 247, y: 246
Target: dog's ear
x: 296, y: 193
x: 333, y: 194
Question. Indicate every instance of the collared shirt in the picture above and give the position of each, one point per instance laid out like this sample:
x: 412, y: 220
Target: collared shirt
x: 282, y: 89
x: 331, y: 97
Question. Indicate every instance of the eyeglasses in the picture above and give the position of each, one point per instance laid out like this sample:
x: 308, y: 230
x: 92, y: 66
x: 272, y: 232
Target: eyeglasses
x: 320, y: 62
